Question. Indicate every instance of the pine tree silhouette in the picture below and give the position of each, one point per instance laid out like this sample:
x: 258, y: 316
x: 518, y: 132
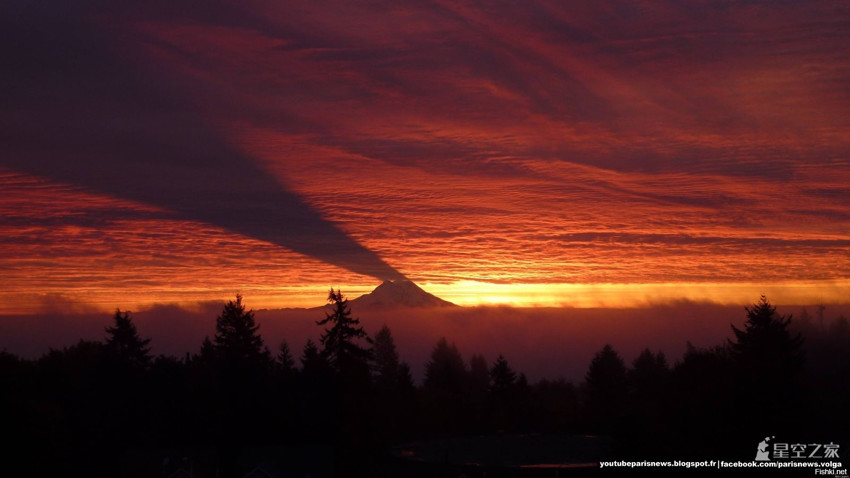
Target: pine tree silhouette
x: 405, y: 380
x: 648, y: 373
x: 446, y: 370
x: 285, y: 360
x: 502, y: 378
x: 768, y: 366
x: 236, y: 335
x: 314, y: 365
x: 649, y: 380
x: 702, y: 401
x: 387, y: 366
x: 765, y: 344
x: 606, y: 375
x: 123, y: 340
x: 340, y: 341
x: 606, y: 388
x: 207, y: 352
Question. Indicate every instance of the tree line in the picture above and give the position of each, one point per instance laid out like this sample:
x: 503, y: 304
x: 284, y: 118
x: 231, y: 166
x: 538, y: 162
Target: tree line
x: 110, y: 408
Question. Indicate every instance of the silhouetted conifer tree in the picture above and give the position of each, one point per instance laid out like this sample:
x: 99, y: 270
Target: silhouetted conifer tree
x: 239, y: 377
x: 340, y: 341
x: 478, y: 388
x: 236, y: 335
x: 702, y: 402
x: 312, y: 360
x: 509, y: 397
x: 128, y: 361
x: 446, y: 370
x: 648, y: 373
x: 649, y: 380
x: 502, y: 378
x: 394, y: 390
x: 207, y: 352
x: 446, y: 400
x: 765, y: 345
x: 769, y: 363
x: 341, y: 346
x: 123, y: 340
x: 606, y: 388
x: 386, y: 359
x: 405, y: 380
x: 606, y: 375
x: 316, y: 373
x: 287, y: 398
x: 285, y: 360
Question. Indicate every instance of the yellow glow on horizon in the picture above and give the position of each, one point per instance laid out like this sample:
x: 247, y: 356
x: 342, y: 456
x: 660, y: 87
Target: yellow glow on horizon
x: 464, y: 293
x: 472, y: 293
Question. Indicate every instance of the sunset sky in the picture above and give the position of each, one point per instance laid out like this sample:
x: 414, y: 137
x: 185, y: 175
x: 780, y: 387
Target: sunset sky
x: 607, y: 153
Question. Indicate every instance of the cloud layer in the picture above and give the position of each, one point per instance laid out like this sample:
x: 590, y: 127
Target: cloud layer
x: 181, y: 151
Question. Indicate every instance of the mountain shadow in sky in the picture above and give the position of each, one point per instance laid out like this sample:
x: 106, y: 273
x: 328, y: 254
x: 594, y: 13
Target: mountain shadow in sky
x: 77, y: 110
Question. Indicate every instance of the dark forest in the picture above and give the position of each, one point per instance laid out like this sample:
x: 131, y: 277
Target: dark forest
x: 348, y: 405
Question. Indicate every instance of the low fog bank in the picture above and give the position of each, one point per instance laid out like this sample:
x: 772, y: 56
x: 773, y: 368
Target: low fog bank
x: 541, y: 342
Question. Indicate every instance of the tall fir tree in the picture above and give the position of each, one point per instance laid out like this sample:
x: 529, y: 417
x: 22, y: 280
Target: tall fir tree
x: 285, y: 360
x: 341, y: 340
x: 606, y: 375
x: 446, y: 370
x: 648, y: 372
x: 765, y: 344
x: 606, y: 389
x: 123, y: 340
x: 386, y: 359
x: 502, y: 378
x: 768, y: 362
x: 310, y: 356
x: 237, y: 337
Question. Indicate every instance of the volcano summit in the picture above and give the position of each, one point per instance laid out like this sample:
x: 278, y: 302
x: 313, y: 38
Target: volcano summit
x: 399, y: 293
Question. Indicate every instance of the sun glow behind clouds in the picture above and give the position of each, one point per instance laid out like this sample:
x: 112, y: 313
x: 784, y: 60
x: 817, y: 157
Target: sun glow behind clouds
x: 473, y: 293
x: 73, y: 299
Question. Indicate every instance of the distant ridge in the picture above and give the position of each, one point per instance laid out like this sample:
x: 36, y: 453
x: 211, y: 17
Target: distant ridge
x: 399, y: 293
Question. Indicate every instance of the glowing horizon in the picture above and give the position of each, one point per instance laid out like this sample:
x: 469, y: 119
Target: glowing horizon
x: 464, y: 293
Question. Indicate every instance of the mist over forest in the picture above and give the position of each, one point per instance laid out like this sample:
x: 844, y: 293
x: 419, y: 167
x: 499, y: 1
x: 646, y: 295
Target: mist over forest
x: 430, y: 391
x: 542, y: 342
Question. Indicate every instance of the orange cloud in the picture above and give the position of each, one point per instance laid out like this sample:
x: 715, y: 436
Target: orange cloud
x: 640, y: 148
